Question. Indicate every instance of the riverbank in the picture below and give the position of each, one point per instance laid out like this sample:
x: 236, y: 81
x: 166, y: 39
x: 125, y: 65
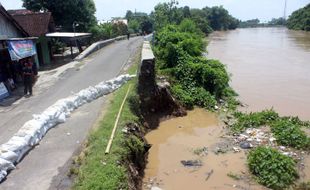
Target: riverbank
x: 265, y: 139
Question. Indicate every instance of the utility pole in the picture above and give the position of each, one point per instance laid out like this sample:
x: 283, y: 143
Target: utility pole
x: 284, y: 14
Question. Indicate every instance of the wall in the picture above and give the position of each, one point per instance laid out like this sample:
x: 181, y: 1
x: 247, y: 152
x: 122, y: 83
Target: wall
x: 7, y: 29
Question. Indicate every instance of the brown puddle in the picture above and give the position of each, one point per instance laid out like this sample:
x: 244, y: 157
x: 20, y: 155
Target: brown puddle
x: 177, y: 139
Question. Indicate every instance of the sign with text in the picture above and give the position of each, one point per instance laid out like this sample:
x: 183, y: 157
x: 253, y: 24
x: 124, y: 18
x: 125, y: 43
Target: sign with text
x: 3, y: 91
x: 21, y: 49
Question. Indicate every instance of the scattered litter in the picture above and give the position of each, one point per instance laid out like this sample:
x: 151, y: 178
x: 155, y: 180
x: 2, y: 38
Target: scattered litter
x: 68, y: 134
x: 156, y: 188
x: 208, y: 174
x: 236, y: 149
x: 246, y: 145
x: 191, y: 163
x: 201, y: 151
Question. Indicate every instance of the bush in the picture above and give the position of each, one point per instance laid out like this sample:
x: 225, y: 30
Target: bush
x: 290, y: 134
x: 272, y: 168
x: 253, y: 120
x: 209, y: 74
x: 173, y: 44
x: 196, y: 80
x: 194, y: 96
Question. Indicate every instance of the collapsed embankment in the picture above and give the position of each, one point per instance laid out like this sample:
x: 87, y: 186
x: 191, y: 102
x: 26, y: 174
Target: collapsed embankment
x: 123, y: 167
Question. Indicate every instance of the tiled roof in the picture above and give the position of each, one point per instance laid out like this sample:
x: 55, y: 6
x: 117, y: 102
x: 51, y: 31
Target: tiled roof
x: 34, y: 23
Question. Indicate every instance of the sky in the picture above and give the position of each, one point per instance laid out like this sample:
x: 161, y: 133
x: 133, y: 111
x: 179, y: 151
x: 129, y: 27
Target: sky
x: 264, y: 10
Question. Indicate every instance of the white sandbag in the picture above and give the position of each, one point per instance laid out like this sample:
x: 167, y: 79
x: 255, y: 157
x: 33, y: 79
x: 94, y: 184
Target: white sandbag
x: 34, y: 130
x: 15, y: 144
x: 8, y: 155
x: 61, y: 118
x: 6, y: 165
x: 3, y: 174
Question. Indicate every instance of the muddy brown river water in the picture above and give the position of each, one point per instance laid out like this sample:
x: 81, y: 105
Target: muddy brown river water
x: 180, y: 139
x: 270, y: 67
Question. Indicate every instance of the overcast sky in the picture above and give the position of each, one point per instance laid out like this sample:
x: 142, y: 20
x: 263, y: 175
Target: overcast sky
x: 241, y: 9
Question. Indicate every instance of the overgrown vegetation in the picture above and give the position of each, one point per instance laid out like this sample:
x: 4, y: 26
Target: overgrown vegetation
x: 289, y: 133
x: 196, y: 80
x: 272, y: 168
x: 300, y: 19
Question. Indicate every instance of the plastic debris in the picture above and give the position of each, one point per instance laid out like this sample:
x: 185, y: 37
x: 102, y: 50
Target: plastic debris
x: 191, y: 163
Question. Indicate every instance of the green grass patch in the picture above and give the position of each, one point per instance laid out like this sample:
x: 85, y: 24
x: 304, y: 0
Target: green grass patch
x: 101, y: 171
x: 272, y: 168
x: 289, y: 133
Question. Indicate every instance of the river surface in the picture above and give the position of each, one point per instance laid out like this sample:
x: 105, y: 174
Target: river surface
x: 270, y: 67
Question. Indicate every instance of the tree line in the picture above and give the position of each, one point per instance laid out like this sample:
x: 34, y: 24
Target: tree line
x: 65, y: 13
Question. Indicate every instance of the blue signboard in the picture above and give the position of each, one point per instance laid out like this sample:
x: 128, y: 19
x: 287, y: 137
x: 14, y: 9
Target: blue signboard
x: 20, y: 49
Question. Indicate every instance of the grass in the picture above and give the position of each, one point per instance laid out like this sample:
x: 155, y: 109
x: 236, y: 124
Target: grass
x: 109, y: 171
x: 272, y: 169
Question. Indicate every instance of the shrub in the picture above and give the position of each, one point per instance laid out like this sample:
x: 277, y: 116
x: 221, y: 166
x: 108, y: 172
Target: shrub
x: 253, y: 120
x: 173, y: 44
x: 184, y: 96
x: 209, y: 74
x: 289, y: 133
x: 272, y: 168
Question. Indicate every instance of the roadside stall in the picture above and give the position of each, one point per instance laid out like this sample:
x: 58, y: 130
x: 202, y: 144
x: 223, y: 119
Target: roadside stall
x: 12, y: 53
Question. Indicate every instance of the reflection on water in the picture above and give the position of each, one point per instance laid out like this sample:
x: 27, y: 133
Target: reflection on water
x: 270, y: 67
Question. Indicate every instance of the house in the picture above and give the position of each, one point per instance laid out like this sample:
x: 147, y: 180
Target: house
x: 15, y: 44
x: 37, y: 24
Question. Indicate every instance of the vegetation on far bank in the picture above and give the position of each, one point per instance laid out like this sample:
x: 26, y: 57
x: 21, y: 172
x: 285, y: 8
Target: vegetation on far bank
x: 300, y: 19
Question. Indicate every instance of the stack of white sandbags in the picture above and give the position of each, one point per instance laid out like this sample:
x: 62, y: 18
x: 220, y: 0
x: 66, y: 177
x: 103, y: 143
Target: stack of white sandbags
x: 34, y: 130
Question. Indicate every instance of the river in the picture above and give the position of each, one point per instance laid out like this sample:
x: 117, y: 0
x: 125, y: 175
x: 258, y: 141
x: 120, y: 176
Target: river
x: 270, y: 67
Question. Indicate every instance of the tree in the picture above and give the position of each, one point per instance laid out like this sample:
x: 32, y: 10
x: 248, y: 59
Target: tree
x: 134, y: 26
x: 300, y: 19
x: 129, y: 15
x: 65, y: 13
x: 167, y: 13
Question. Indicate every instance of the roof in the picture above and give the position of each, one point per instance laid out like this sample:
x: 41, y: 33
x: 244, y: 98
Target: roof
x: 67, y: 34
x: 11, y: 19
x: 35, y: 23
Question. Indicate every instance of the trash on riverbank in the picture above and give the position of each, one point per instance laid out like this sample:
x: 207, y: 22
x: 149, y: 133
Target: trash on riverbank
x: 191, y: 163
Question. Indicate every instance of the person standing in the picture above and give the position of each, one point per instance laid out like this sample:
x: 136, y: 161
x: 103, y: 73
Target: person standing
x: 28, y: 76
